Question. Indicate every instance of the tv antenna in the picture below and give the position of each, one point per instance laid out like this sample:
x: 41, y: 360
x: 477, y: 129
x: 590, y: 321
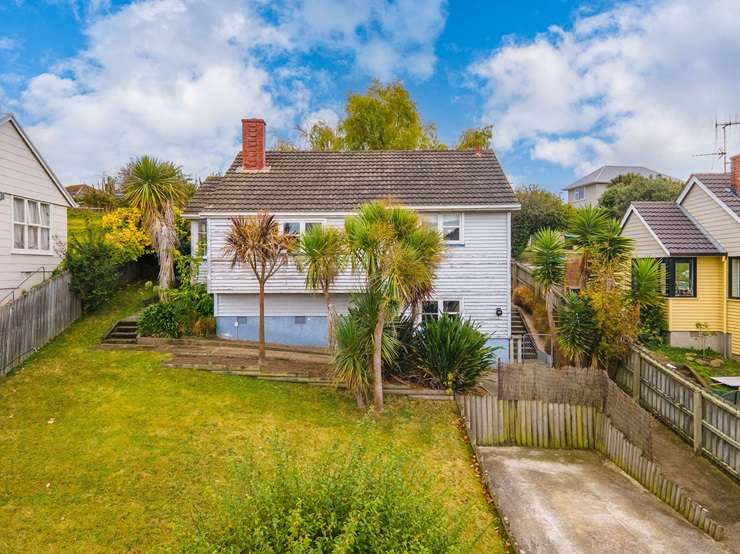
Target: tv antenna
x: 721, y: 153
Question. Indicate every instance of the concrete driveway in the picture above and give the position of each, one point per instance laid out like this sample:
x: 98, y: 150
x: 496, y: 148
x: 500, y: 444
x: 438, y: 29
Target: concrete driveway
x: 575, y: 501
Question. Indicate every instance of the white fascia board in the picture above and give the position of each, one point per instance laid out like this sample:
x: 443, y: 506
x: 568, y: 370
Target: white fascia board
x: 694, y: 181
x: 11, y: 119
x: 632, y: 210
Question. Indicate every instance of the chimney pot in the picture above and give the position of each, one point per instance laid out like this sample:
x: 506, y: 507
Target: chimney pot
x: 735, y: 173
x: 253, y: 144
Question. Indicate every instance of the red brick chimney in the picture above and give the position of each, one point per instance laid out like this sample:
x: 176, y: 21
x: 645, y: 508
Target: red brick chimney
x: 253, y: 144
x: 735, y: 173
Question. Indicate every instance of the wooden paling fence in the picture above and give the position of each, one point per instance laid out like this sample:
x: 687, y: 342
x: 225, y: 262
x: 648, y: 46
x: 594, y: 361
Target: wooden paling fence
x: 535, y: 423
x: 707, y: 422
x: 34, y: 319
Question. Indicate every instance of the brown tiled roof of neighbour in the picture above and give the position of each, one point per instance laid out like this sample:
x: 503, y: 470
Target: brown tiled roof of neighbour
x: 676, y: 229
x: 720, y: 185
x: 341, y: 181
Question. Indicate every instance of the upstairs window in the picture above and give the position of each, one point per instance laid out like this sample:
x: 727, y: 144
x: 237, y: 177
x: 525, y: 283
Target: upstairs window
x: 31, y: 226
x: 579, y: 193
x: 734, y: 269
x: 448, y: 224
x: 681, y: 277
x: 203, y: 238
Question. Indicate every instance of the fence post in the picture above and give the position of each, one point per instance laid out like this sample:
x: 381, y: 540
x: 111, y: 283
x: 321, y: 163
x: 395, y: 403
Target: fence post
x: 519, y: 350
x: 636, y: 377
x: 698, y: 417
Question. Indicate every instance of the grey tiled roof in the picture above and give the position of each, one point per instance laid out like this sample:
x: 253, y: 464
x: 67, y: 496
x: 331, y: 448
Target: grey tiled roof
x: 676, y: 229
x: 341, y: 181
x: 606, y: 173
x: 719, y: 184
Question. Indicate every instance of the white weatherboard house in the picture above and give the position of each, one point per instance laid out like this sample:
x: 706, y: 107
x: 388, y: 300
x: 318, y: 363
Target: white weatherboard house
x: 463, y: 194
x: 33, y: 212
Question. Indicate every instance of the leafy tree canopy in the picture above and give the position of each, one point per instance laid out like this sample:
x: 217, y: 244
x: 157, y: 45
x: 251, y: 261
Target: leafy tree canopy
x: 633, y: 187
x: 384, y: 118
x: 476, y: 138
x: 540, y: 209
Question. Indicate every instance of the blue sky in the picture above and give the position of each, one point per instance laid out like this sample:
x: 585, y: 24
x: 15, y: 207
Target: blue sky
x: 568, y: 85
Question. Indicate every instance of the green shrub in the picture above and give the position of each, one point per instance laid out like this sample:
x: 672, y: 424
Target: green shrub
x: 90, y: 260
x: 452, y: 353
x: 159, y: 320
x: 346, y: 501
x: 653, y: 325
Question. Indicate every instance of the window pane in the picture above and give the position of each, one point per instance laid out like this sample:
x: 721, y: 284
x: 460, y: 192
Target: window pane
x: 18, y: 236
x: 45, y: 219
x: 33, y: 238
x: 45, y: 242
x: 451, y: 306
x: 451, y: 220
x: 452, y: 233
x: 429, y: 310
x: 430, y: 220
x: 203, y: 237
x: 33, y: 212
x: 683, y: 281
x: 311, y: 224
x: 19, y: 210
x: 735, y: 277
x: 292, y: 228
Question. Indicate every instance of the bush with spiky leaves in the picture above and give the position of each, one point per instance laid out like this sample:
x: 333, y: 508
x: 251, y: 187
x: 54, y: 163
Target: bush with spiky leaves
x: 577, y: 329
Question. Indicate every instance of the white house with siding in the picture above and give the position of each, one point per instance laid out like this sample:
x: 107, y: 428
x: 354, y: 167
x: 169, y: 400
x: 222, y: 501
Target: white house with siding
x: 463, y: 194
x: 33, y: 212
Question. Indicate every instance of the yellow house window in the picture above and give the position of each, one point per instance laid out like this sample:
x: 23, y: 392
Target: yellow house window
x: 681, y: 276
x: 734, y: 269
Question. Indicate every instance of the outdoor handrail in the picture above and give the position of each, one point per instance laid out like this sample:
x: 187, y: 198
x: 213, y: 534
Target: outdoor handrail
x: 40, y: 269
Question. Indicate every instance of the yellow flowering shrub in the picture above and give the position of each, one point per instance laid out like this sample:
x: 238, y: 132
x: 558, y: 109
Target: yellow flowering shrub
x: 125, y: 234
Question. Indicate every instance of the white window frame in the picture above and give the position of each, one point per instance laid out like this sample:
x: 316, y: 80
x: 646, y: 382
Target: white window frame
x: 301, y: 224
x: 27, y: 223
x: 579, y: 193
x: 202, y: 238
x: 428, y: 220
x: 440, y: 307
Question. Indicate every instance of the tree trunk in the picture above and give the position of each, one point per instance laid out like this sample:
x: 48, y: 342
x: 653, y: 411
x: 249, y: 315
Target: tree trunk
x: 261, y: 356
x: 330, y: 316
x: 378, y: 360
x: 360, y: 399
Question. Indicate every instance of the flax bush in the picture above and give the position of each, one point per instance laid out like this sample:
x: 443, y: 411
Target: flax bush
x: 347, y: 501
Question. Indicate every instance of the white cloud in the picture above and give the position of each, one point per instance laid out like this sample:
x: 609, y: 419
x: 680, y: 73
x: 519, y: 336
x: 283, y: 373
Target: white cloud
x: 639, y: 84
x: 173, y: 78
x: 7, y: 43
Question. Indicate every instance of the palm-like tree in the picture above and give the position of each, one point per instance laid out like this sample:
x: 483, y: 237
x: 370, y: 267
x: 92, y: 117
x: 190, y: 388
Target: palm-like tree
x: 258, y: 242
x: 586, y: 228
x: 548, y: 257
x: 157, y: 188
x: 648, y: 279
x: 322, y: 254
x: 398, y: 256
x: 576, y: 329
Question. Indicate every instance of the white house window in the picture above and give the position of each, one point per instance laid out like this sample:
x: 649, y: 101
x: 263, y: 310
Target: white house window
x: 31, y: 225
x: 432, y: 309
x: 579, y: 193
x: 734, y: 278
x: 452, y: 227
x: 299, y: 227
x: 203, y: 237
x: 292, y: 228
x: 449, y: 225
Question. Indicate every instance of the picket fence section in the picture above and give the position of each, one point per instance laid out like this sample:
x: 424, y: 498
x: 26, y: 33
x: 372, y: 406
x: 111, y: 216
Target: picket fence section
x: 707, y: 422
x: 534, y: 423
x: 35, y: 318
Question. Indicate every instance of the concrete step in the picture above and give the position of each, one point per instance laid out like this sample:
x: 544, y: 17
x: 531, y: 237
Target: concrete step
x: 111, y: 340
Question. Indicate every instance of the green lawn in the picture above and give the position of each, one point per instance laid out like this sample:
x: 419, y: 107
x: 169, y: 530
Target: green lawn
x: 108, y: 451
x: 698, y: 362
x: 77, y: 221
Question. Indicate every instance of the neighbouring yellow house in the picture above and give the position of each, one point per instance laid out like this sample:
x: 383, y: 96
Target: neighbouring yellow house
x: 697, y: 237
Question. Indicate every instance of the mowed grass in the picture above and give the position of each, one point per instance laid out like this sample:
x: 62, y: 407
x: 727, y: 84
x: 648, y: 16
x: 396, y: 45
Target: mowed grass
x: 109, y: 452
x: 77, y: 219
